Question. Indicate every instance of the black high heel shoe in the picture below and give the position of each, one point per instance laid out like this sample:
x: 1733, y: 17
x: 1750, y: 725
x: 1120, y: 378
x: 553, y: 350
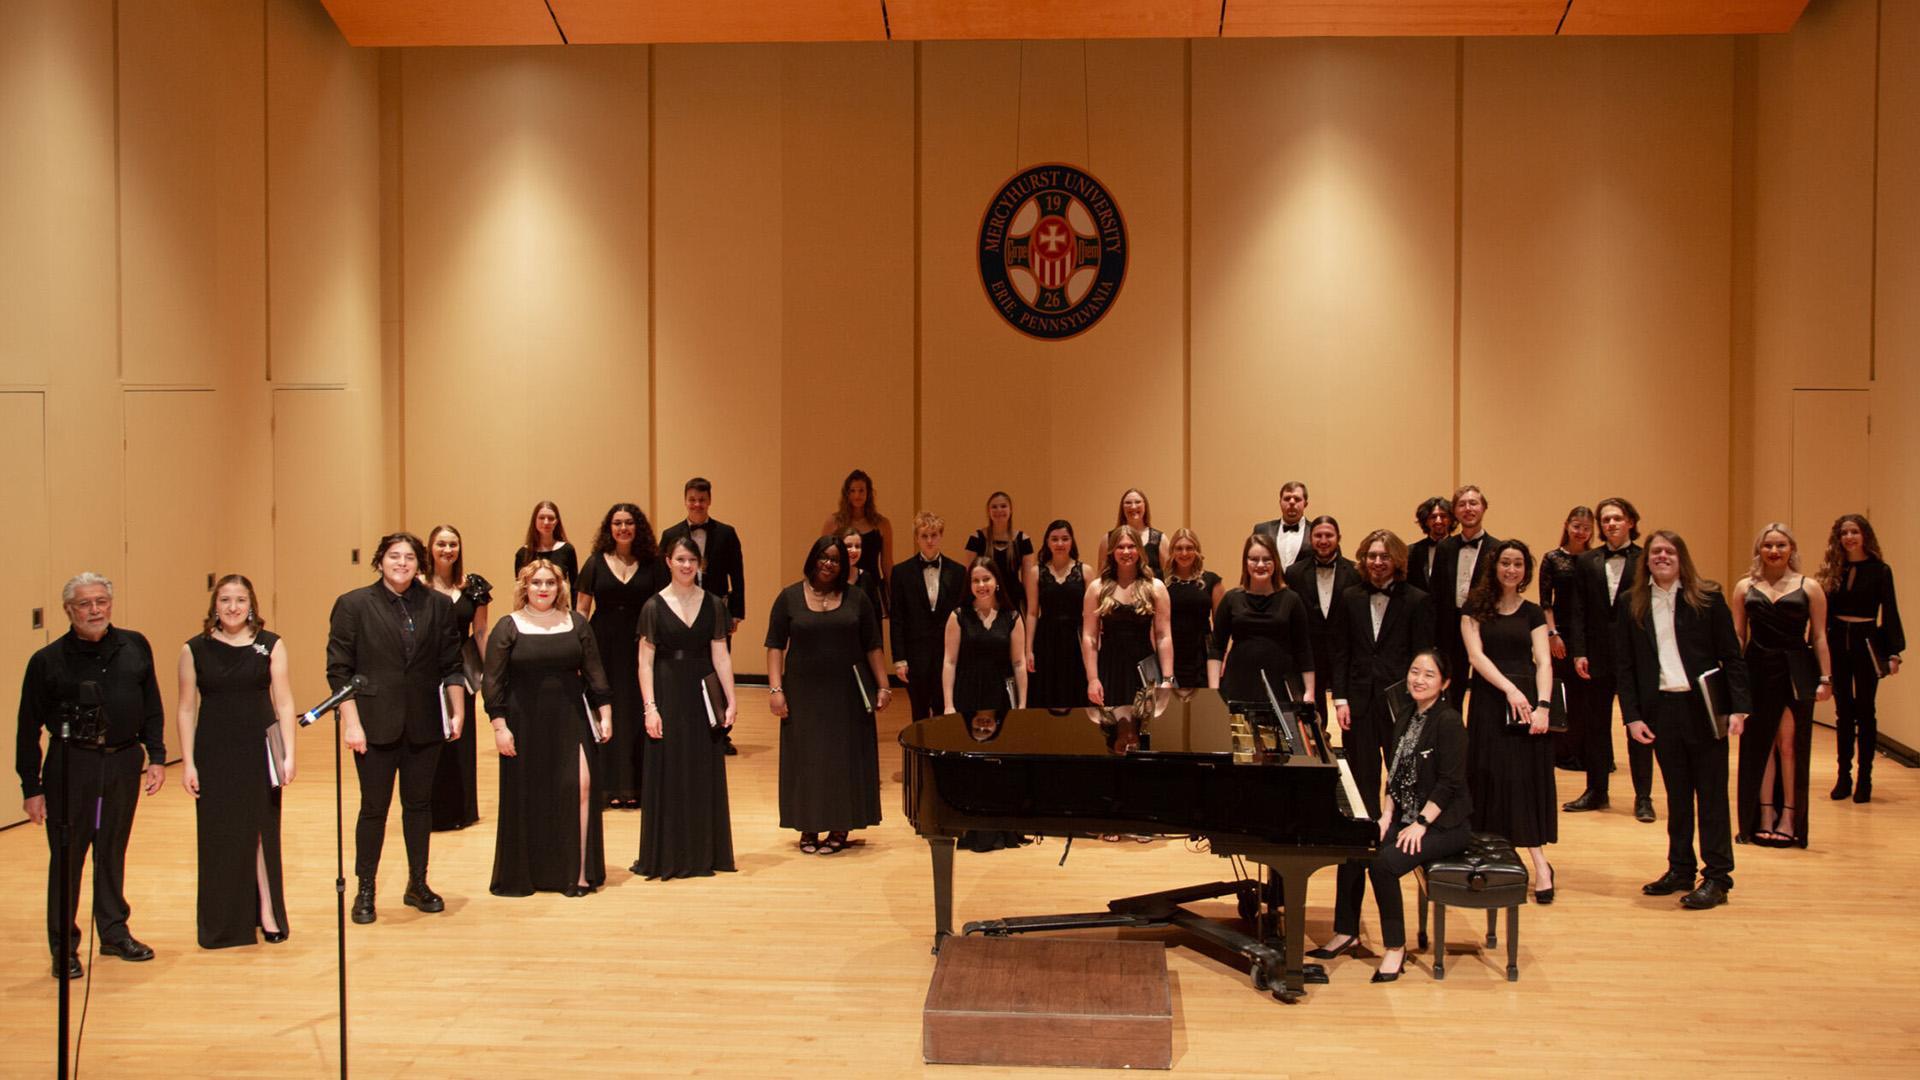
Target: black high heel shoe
x: 1391, y: 976
x: 1545, y: 896
x: 274, y: 937
x: 1323, y: 953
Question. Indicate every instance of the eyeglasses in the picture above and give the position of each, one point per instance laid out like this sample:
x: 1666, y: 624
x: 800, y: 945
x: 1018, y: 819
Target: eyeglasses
x: 99, y: 604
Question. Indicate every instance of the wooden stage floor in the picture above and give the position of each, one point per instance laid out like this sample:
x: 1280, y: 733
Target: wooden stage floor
x: 807, y: 966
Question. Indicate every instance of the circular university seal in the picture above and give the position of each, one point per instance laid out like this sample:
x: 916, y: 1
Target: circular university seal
x: 1053, y: 251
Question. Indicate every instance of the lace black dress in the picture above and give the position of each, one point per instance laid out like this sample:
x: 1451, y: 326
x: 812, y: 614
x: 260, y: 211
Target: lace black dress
x: 1776, y: 650
x: 238, y: 812
x: 616, y: 622
x: 685, y: 827
x: 1510, y: 774
x: 1192, y: 618
x: 456, y: 782
x: 1059, y: 677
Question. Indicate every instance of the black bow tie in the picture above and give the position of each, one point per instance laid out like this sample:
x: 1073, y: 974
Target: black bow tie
x: 1318, y: 565
x: 1473, y: 543
x: 1285, y: 528
x: 1377, y: 590
x: 928, y: 564
x: 1619, y: 553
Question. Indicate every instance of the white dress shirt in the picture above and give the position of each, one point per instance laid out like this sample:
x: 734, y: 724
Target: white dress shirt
x: 1463, y: 571
x: 1616, y: 562
x: 930, y: 573
x: 1673, y: 671
x: 1378, y: 602
x: 1289, y: 541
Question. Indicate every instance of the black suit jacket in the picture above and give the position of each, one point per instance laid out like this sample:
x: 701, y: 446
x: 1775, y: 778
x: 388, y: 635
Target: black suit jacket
x: 725, y: 572
x: 1301, y: 578
x: 1446, y: 563
x: 915, y: 629
x: 1417, y: 564
x: 402, y: 697
x: 1363, y: 666
x: 1272, y: 528
x: 1440, y: 761
x: 1591, y: 634
x: 1706, y: 641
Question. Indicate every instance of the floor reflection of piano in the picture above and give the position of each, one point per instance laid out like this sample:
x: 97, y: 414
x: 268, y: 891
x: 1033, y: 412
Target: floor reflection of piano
x: 1180, y: 763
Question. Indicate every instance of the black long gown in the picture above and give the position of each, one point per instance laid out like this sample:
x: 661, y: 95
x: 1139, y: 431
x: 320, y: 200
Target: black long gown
x: 1557, y: 589
x: 456, y: 779
x: 1192, y: 618
x: 980, y: 674
x: 685, y: 827
x: 616, y: 630
x: 543, y: 685
x: 1510, y: 774
x: 873, y: 570
x: 1059, y: 677
x: 1776, y: 639
x: 238, y: 812
x: 829, y: 747
x: 1268, y: 633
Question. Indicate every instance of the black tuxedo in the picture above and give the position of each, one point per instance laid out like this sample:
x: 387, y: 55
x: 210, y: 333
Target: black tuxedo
x: 1363, y: 666
x: 724, y: 571
x: 1446, y: 609
x: 1693, y: 764
x: 1417, y: 564
x: 399, y: 708
x: 1272, y: 529
x: 918, y: 630
x: 1303, y: 578
x: 1590, y: 634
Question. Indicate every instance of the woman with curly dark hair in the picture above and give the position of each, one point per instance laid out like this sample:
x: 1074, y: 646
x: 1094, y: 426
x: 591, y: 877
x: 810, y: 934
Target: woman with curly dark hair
x: 623, y: 571
x: 1864, y: 637
x: 1509, y: 761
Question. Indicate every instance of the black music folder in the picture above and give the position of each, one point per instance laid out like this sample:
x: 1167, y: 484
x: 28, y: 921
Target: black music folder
x: 715, y: 697
x: 1716, y: 699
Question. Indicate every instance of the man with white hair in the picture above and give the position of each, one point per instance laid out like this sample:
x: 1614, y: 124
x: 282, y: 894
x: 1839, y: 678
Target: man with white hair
x: 96, y: 683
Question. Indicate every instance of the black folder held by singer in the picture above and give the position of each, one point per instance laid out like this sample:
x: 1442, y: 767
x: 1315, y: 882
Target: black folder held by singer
x: 1716, y: 701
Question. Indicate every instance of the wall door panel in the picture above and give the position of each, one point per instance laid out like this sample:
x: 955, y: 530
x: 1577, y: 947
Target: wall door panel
x: 1830, y: 456
x: 316, y: 526
x: 173, y: 502
x: 24, y: 576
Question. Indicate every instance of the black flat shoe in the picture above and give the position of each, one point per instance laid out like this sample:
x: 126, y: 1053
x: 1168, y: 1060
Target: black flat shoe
x: 1587, y: 801
x: 1352, y: 945
x: 1643, y: 810
x: 74, y: 970
x: 1667, y: 884
x: 275, y: 937
x: 576, y: 890
x: 126, y: 949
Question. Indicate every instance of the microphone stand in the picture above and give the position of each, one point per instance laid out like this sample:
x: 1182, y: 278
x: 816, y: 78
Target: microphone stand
x: 340, y: 885
x: 63, y: 961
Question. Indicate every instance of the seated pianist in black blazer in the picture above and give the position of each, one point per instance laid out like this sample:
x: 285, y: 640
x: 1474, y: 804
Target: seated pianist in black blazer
x: 1674, y: 628
x: 1425, y: 815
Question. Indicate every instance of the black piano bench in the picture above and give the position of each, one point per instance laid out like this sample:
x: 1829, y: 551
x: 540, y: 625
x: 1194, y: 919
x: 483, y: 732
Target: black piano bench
x: 1489, y: 876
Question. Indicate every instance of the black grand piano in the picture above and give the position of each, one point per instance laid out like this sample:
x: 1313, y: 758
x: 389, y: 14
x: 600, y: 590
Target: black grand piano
x: 1254, y: 781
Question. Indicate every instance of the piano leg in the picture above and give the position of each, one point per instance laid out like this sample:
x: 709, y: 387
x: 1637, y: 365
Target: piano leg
x: 942, y: 850
x: 1293, y: 886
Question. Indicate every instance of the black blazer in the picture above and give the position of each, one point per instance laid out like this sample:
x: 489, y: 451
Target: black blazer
x: 402, y: 697
x: 1302, y: 579
x: 1363, y: 666
x: 1417, y: 564
x: 1272, y: 529
x: 1440, y: 586
x: 1440, y: 760
x: 1591, y: 634
x: 914, y: 628
x: 725, y: 572
x: 1706, y: 640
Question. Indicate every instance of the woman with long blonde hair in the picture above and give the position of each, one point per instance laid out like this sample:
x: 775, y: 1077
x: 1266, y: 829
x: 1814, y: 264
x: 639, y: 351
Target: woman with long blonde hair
x: 1781, y: 616
x: 1193, y: 591
x: 1125, y: 619
x: 859, y: 511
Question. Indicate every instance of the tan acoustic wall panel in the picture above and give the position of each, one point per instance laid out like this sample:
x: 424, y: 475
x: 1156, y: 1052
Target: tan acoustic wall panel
x: 524, y: 328
x: 174, y: 513
x: 1062, y: 426
x: 317, y: 526
x: 718, y: 259
x: 24, y: 576
x: 192, y: 190
x: 1594, y: 356
x: 847, y: 314
x: 1323, y: 188
x: 28, y: 90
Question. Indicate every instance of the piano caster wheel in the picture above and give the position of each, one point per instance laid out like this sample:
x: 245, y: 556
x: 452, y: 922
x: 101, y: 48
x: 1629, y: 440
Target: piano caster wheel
x: 1260, y: 979
x: 1288, y: 997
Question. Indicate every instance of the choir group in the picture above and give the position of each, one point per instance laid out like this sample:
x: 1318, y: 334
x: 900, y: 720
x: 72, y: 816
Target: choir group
x: 609, y: 685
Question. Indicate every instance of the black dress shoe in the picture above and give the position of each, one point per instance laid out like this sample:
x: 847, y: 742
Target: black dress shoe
x: 74, y: 970
x: 1390, y: 976
x: 1710, y: 894
x: 1587, y: 801
x: 1668, y: 884
x: 1643, y: 809
x: 363, y: 903
x: 731, y: 750
x: 421, y: 897
x: 126, y: 949
x: 275, y: 937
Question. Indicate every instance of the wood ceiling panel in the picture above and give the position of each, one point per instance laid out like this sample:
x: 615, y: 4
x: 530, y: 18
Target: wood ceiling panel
x: 1392, y: 18
x: 625, y: 22
x: 444, y: 22
x: 1673, y: 17
x: 933, y: 20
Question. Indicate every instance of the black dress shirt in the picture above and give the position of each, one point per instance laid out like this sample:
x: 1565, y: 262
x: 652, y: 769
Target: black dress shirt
x: 121, y: 662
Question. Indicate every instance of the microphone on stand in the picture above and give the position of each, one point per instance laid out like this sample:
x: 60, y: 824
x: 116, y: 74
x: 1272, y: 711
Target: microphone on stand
x: 354, y: 686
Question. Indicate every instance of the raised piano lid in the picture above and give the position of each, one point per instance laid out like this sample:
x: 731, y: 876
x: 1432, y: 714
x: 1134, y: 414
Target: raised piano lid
x: 1185, y: 723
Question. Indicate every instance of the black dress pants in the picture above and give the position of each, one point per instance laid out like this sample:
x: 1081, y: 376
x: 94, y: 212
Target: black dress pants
x: 1855, y: 686
x: 98, y: 817
x: 1386, y: 869
x: 1694, y: 765
x: 1596, y: 751
x: 924, y: 694
x: 414, y: 763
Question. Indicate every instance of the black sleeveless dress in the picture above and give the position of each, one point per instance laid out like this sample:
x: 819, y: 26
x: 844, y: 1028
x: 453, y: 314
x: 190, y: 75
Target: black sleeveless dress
x: 456, y: 781
x: 1510, y: 774
x: 238, y: 811
x: 1192, y: 617
x: 1776, y: 646
x: 984, y: 665
x: 685, y: 827
x: 616, y: 621
x: 1007, y: 557
x: 1059, y: 678
x: 1126, y: 638
x: 1270, y: 635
